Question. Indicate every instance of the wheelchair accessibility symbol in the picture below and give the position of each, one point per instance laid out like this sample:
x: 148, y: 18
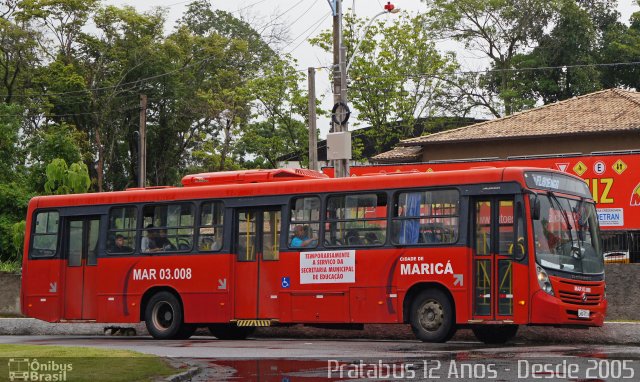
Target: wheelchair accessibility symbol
x: 285, y: 282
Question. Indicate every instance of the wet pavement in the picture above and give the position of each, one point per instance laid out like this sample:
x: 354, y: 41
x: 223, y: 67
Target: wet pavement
x: 288, y: 360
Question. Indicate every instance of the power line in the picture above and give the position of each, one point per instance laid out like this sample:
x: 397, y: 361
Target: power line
x: 490, y: 71
x: 248, y: 6
x: 316, y: 24
x: 69, y: 115
x: 280, y: 15
x: 400, y: 75
x: 303, y: 14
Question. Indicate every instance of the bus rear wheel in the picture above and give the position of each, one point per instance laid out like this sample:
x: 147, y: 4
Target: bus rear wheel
x: 432, y: 317
x: 495, y: 334
x: 230, y: 331
x: 164, y: 319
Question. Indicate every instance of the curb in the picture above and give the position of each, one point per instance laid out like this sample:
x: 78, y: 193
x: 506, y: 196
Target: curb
x: 184, y: 376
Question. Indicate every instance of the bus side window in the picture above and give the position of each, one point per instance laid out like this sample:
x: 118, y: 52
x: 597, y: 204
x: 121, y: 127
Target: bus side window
x: 211, y: 223
x: 356, y: 220
x: 122, y: 235
x: 45, y: 234
x: 304, y: 224
x: 426, y: 217
x: 167, y: 228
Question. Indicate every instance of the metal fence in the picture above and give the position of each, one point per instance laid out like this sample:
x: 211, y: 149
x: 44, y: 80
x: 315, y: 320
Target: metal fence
x: 621, y: 246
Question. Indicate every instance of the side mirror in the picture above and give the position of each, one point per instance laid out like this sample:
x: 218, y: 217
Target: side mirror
x: 535, y: 207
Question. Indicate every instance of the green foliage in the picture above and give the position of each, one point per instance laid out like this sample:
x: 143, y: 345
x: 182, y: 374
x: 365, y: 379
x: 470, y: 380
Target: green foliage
x: 283, y: 107
x: 397, y: 76
x: 621, y: 43
x: 63, y: 179
x: 14, y: 199
x: 18, y: 233
x: 498, y: 30
x: 9, y: 127
x: 55, y: 141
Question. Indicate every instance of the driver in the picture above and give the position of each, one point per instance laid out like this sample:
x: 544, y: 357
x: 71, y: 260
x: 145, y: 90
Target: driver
x: 552, y: 239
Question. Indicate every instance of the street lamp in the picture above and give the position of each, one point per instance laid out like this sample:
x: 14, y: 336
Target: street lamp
x: 388, y: 9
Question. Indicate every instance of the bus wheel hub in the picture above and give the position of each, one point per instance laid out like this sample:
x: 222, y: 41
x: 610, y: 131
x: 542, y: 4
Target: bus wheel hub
x: 431, y: 315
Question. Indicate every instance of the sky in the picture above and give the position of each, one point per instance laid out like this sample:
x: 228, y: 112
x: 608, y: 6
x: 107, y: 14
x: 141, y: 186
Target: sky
x: 306, y: 18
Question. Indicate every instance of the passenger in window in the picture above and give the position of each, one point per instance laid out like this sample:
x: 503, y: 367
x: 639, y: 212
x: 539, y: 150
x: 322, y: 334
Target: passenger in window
x: 148, y: 243
x: 353, y: 237
x: 371, y: 238
x: 119, y: 246
x: 207, y: 244
x: 301, y: 237
x: 162, y: 242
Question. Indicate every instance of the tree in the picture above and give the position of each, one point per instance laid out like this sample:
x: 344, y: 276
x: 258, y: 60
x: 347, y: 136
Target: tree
x: 497, y: 29
x: 14, y: 194
x: 278, y: 126
x: 62, y: 19
x: 17, y: 54
x: 63, y: 179
x: 10, y: 121
x: 397, y: 77
x: 621, y: 43
x: 573, y: 41
x: 56, y: 141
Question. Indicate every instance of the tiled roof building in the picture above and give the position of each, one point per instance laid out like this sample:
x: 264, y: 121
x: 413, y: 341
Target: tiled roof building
x: 607, y: 120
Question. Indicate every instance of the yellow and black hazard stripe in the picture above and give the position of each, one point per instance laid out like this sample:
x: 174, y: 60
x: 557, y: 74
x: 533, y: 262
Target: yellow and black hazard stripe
x: 253, y: 322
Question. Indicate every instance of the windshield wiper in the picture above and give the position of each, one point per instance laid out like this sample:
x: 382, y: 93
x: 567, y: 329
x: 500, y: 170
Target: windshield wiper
x: 575, y: 251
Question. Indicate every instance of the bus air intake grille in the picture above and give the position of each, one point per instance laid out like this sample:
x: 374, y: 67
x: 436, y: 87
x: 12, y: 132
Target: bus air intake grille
x: 577, y: 298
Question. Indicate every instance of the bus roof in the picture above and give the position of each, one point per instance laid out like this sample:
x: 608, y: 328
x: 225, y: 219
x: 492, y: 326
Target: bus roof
x: 274, y: 187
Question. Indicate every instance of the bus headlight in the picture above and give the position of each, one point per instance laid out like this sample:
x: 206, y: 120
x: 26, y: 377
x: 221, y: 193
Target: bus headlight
x: 544, y: 282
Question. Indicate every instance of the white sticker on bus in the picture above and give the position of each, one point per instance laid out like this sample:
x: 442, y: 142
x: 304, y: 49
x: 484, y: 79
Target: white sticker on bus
x: 611, y: 217
x: 328, y: 267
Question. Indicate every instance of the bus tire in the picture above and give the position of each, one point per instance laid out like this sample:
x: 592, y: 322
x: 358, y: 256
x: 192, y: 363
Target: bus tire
x: 163, y: 316
x: 432, y: 318
x: 495, y: 334
x: 230, y: 331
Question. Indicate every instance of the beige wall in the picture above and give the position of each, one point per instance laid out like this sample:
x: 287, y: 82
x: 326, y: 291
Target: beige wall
x: 538, y: 146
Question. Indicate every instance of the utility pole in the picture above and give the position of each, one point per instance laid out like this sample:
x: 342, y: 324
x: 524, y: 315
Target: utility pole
x: 313, y: 136
x: 142, y: 142
x: 341, y: 160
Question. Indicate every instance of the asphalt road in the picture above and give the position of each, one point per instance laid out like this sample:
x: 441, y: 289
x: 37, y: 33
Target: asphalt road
x: 288, y: 360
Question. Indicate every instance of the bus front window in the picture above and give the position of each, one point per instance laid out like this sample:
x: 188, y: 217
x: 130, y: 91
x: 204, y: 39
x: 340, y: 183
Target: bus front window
x: 567, y: 237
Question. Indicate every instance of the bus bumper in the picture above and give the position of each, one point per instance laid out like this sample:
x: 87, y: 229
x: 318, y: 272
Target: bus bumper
x: 550, y: 310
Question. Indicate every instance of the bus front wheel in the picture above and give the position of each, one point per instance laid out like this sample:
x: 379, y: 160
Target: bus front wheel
x: 495, y: 334
x: 432, y: 318
x: 230, y: 331
x: 163, y: 317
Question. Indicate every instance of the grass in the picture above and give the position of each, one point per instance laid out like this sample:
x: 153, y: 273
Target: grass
x: 10, y: 266
x: 89, y: 364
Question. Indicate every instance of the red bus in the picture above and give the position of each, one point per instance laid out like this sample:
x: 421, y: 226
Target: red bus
x: 488, y: 249
x: 612, y: 176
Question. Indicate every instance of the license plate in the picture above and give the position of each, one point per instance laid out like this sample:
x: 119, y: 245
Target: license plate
x: 583, y: 313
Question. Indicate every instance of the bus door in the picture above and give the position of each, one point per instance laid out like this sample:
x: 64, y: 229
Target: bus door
x: 257, y: 250
x: 498, y: 240
x: 81, y: 254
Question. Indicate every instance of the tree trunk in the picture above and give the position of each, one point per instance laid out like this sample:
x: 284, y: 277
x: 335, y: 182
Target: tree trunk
x: 225, y: 146
x: 100, y: 166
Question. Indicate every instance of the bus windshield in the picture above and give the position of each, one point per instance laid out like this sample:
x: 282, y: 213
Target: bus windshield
x: 567, y: 236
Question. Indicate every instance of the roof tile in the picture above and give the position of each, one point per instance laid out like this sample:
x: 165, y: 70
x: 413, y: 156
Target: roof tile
x: 604, y: 111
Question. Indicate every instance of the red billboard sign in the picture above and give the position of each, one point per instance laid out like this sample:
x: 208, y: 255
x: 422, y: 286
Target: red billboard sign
x: 614, y: 180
